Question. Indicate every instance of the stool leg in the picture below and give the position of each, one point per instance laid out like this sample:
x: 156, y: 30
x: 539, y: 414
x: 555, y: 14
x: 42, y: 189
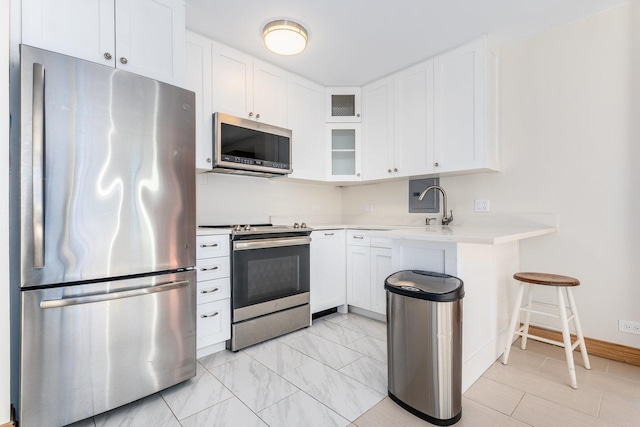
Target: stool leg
x: 576, y: 322
x: 527, y: 317
x: 566, y: 338
x: 512, y: 324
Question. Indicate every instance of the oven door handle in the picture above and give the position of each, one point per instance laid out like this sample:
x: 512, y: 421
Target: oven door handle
x: 245, y: 245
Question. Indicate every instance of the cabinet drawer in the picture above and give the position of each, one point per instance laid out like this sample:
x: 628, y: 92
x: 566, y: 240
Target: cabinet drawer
x: 381, y: 242
x: 357, y: 238
x: 212, y: 246
x: 214, y: 290
x: 212, y: 268
x: 213, y: 322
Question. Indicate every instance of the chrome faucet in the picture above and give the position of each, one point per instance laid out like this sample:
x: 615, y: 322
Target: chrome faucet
x: 445, y: 219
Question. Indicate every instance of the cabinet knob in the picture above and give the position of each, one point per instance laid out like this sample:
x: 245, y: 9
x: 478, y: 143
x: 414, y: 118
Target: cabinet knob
x: 208, y: 159
x: 358, y: 115
x: 395, y: 169
x: 258, y: 116
x: 358, y: 174
x: 389, y: 170
x: 107, y: 55
x: 123, y: 60
x: 250, y: 113
x: 437, y: 164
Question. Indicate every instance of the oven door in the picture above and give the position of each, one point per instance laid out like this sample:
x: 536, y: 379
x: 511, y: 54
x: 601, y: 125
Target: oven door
x: 269, y: 275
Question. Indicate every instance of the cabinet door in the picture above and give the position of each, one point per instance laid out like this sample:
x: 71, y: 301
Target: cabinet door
x: 306, y: 101
x: 413, y: 120
x: 465, y: 108
x: 232, y: 81
x: 359, y: 276
x: 381, y: 268
x: 328, y: 287
x: 344, y: 151
x: 150, y: 38
x: 79, y: 28
x: 269, y: 94
x: 343, y: 104
x: 198, y: 80
x: 377, y: 130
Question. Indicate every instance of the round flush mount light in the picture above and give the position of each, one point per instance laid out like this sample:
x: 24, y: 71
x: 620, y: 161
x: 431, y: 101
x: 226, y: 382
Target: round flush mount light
x: 285, y: 37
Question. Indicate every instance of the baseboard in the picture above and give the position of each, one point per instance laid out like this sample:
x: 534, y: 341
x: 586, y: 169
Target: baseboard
x: 617, y: 352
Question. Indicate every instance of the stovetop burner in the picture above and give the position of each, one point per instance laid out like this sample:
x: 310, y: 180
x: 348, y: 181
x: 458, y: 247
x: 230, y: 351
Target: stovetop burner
x: 260, y: 229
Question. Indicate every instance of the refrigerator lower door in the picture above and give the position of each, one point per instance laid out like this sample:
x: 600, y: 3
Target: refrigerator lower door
x: 89, y: 348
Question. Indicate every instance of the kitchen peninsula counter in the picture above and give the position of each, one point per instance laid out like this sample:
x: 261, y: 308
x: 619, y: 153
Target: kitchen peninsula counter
x: 482, y: 234
x: 484, y: 256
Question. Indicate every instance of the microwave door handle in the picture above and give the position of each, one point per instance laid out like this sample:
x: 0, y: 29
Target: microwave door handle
x: 37, y: 169
x: 244, y: 245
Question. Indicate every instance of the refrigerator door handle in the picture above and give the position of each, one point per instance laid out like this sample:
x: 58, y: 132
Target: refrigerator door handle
x: 37, y: 134
x: 66, y: 302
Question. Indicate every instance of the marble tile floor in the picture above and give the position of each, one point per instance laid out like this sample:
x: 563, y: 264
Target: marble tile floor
x: 334, y: 374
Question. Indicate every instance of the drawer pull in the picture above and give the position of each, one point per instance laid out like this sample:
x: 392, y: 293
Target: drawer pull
x: 358, y: 237
x: 209, y: 269
x: 206, y: 316
x: 210, y: 291
x: 329, y: 234
x: 213, y: 245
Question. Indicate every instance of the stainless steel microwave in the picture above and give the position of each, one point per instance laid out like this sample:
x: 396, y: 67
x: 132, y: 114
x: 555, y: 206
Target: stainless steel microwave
x: 249, y: 147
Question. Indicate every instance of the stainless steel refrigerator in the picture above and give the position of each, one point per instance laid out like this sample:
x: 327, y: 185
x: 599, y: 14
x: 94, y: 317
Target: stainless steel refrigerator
x: 106, y: 238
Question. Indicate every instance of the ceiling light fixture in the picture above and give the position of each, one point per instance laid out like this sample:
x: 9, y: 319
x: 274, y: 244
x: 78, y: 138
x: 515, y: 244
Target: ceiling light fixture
x: 285, y: 37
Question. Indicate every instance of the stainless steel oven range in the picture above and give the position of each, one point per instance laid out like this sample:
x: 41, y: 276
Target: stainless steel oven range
x: 269, y: 282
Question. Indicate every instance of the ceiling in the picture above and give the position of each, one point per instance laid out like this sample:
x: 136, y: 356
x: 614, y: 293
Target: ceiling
x: 353, y: 42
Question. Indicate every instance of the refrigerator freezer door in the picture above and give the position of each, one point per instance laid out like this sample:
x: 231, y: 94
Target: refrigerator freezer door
x: 90, y: 348
x: 107, y: 172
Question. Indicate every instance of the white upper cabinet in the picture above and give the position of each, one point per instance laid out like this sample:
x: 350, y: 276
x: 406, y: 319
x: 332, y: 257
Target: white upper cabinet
x: 345, y: 151
x: 248, y: 88
x: 306, y: 121
x: 198, y: 80
x: 413, y: 120
x: 343, y: 104
x: 146, y: 37
x: 377, y: 130
x: 465, y: 109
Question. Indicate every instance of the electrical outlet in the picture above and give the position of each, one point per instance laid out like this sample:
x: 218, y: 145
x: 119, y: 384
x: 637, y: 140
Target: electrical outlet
x: 482, y: 205
x: 368, y: 208
x: 629, y: 327
x: 315, y: 208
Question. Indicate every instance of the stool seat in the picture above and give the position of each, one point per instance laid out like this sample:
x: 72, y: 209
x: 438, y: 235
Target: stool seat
x: 546, y: 279
x: 563, y: 285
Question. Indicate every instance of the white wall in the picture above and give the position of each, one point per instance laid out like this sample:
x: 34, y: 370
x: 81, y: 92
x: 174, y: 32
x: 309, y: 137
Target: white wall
x: 570, y: 127
x: 4, y: 214
x: 236, y: 199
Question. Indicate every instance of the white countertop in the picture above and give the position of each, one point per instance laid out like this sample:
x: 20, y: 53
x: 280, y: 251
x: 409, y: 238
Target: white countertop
x: 204, y: 231
x: 483, y: 234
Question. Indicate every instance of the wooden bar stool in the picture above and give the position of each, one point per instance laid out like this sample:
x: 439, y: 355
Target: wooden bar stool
x: 560, y: 282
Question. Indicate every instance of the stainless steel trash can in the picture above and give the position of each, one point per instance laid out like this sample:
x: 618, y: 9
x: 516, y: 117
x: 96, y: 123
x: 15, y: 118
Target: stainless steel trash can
x: 424, y: 343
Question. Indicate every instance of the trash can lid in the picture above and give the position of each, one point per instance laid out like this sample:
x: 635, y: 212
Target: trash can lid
x: 426, y: 285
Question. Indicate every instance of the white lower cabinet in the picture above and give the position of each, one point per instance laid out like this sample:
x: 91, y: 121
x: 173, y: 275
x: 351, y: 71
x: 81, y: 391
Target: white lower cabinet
x: 213, y: 311
x: 368, y: 265
x: 213, y: 323
x: 359, y: 276
x: 381, y: 268
x: 327, y: 270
